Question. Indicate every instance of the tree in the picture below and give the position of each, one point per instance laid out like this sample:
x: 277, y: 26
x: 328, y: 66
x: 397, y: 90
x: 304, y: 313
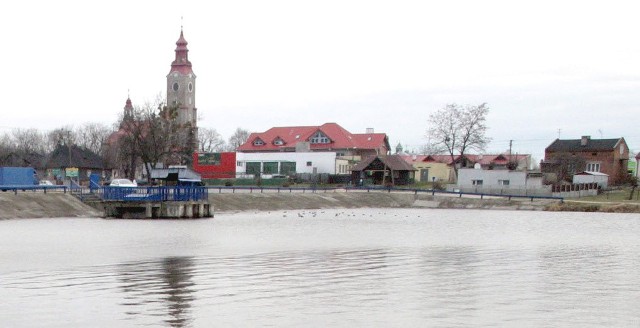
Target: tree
x: 210, y: 141
x: 61, y: 136
x: 152, y: 135
x: 239, y: 137
x: 92, y: 136
x: 457, y: 129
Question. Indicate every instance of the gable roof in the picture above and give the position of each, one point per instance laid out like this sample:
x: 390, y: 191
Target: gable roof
x: 74, y: 156
x: 575, y: 145
x: 393, y: 162
x: 484, y: 159
x: 339, y: 138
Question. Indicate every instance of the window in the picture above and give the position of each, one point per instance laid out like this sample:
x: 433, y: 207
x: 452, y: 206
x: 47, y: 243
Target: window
x: 476, y: 182
x: 278, y: 142
x: 319, y: 138
x: 593, y: 167
x: 270, y: 167
x: 239, y: 164
x: 503, y: 182
x: 309, y: 163
x: 258, y: 142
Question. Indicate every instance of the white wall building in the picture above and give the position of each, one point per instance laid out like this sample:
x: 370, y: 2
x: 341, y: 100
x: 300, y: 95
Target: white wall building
x: 501, y: 182
x: 282, y: 163
x: 600, y: 178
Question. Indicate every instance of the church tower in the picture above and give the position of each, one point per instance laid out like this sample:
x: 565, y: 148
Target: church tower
x: 181, y: 85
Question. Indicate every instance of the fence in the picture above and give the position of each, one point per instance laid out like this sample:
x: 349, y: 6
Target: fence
x: 433, y: 192
x: 177, y: 193
x: 33, y: 188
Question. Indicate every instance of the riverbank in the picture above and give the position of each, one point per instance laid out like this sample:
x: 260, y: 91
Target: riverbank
x: 321, y: 200
x: 27, y: 205
x: 54, y: 205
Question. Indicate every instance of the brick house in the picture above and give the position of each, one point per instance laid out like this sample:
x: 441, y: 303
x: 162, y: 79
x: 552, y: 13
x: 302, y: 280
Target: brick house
x: 564, y: 158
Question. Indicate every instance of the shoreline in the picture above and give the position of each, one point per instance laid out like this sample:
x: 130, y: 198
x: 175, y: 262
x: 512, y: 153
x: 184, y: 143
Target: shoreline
x: 60, y: 205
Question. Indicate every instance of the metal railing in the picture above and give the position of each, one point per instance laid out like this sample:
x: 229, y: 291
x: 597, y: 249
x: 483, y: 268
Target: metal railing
x: 433, y: 192
x: 174, y: 193
x: 32, y: 188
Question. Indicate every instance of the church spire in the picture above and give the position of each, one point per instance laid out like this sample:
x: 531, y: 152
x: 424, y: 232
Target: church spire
x: 181, y: 63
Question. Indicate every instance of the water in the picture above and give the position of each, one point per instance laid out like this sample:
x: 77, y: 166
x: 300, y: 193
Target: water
x: 370, y: 267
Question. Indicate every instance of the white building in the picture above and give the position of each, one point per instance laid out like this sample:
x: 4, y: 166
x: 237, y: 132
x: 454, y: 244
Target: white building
x: 501, y: 182
x: 600, y: 178
x: 286, y: 163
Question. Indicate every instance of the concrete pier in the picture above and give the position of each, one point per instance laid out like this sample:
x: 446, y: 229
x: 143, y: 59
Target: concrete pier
x: 158, y: 210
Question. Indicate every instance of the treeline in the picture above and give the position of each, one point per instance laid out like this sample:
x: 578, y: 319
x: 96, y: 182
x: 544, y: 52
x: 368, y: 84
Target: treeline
x: 142, y: 138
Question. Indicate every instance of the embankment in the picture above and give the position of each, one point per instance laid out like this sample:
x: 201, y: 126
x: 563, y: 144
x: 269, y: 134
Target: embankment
x: 41, y: 205
x: 292, y: 201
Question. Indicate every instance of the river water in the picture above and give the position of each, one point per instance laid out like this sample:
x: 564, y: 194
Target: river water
x: 365, y: 267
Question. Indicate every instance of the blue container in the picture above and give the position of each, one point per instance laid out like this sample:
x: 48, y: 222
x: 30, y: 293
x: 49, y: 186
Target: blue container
x: 18, y: 176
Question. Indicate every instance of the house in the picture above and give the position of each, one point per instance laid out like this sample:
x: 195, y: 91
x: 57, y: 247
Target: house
x: 73, y: 162
x: 329, y: 137
x: 564, y: 158
x: 440, y: 167
x: 431, y: 168
x: 390, y: 169
x: 501, y: 182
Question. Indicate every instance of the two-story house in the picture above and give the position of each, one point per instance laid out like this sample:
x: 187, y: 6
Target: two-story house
x: 564, y: 158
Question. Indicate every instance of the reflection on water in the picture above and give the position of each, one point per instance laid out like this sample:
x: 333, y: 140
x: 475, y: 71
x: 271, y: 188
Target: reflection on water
x: 166, y: 283
x: 403, y: 270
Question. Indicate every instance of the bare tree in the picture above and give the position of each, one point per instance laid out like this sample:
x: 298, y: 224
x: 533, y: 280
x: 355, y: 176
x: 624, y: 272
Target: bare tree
x: 239, y: 137
x: 209, y: 141
x: 61, y: 136
x: 458, y: 129
x: 28, y: 141
x: 92, y: 136
x: 152, y: 135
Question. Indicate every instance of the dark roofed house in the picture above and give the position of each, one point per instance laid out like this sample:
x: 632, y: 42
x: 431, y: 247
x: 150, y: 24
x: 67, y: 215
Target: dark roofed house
x: 65, y: 159
x: 391, y: 169
x: 564, y: 158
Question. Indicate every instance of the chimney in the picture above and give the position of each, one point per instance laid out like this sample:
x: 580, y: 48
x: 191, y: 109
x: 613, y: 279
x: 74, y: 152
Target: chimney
x: 585, y: 140
x: 369, y: 130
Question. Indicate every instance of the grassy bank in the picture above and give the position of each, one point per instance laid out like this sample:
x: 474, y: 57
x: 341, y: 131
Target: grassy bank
x: 611, y: 201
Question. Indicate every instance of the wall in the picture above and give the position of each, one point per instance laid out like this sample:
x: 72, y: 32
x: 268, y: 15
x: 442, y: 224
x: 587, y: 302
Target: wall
x: 441, y: 171
x: 226, y: 168
x: 323, y: 162
x: 517, y: 179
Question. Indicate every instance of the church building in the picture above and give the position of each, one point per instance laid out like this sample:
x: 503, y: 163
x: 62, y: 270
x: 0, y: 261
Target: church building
x: 181, y: 84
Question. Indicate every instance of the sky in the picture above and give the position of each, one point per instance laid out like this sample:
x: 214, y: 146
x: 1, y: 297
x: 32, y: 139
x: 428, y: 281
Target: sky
x: 547, y: 69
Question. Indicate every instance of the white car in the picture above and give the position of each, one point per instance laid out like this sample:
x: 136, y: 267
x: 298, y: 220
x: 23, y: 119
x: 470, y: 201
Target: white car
x: 46, y: 183
x: 123, y: 183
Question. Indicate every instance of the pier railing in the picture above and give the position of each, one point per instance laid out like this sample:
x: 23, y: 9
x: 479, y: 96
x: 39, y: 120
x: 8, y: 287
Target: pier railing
x: 433, y: 192
x: 174, y: 193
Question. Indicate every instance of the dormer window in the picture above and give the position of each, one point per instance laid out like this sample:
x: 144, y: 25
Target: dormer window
x: 319, y: 138
x: 278, y: 142
x: 258, y: 142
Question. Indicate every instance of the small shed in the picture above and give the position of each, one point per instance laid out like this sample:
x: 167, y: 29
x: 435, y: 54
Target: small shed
x: 388, y: 170
x: 176, y: 176
x: 591, y: 177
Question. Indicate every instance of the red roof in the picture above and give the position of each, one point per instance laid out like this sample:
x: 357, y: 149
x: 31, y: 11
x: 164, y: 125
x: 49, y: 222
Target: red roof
x: 181, y: 63
x: 482, y: 159
x: 277, y: 138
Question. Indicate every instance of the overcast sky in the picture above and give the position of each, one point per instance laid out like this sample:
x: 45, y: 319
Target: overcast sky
x: 546, y: 68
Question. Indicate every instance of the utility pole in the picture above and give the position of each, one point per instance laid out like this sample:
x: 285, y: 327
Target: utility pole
x: 510, y: 145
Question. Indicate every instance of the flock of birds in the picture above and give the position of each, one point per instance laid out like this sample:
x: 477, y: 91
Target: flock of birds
x: 313, y: 214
